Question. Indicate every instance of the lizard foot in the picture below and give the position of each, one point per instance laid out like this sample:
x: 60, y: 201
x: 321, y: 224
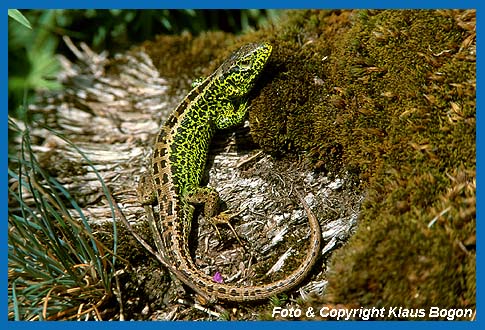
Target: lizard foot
x: 224, y: 218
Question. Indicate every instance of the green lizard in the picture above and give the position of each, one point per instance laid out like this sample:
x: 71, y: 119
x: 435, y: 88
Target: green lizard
x: 179, y: 157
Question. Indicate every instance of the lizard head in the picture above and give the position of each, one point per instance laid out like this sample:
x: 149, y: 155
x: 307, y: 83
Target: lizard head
x: 240, y: 71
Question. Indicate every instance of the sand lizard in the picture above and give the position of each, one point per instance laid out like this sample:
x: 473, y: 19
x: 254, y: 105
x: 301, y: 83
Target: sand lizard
x: 178, y: 161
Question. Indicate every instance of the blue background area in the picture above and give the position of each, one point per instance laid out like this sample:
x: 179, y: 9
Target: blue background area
x: 250, y: 4
x: 228, y: 5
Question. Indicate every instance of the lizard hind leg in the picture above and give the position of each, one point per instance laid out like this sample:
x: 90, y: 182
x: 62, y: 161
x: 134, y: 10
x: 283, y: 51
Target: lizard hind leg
x: 210, y: 198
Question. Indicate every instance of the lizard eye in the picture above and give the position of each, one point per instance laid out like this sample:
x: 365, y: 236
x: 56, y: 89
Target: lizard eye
x: 244, y: 65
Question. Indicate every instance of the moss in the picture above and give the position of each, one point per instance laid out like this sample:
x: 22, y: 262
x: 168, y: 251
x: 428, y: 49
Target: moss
x: 397, y: 105
x: 390, y: 97
x: 184, y: 58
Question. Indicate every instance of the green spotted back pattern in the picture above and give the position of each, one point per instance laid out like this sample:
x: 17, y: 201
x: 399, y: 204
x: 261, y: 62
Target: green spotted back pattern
x: 179, y: 157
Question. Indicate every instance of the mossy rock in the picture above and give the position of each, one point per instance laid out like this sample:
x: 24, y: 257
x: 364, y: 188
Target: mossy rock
x: 389, y: 98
